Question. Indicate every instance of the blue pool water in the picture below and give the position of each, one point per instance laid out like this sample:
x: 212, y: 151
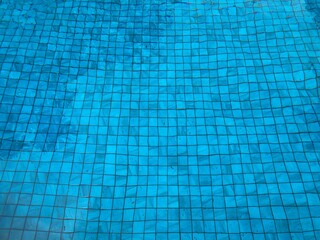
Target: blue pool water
x: 159, y: 119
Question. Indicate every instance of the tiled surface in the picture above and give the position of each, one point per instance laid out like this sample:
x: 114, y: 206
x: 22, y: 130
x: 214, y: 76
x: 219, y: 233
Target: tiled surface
x: 159, y: 120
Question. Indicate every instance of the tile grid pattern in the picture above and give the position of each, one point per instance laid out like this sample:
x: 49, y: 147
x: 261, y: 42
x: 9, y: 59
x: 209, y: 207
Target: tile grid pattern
x: 159, y: 119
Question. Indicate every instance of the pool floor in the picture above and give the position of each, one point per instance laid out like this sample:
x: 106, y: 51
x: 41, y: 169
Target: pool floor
x: 177, y: 119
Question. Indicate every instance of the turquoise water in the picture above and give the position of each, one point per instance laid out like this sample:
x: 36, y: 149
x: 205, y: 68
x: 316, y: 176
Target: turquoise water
x: 178, y: 119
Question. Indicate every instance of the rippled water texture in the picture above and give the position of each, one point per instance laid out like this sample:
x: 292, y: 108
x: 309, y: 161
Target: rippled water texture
x: 159, y: 119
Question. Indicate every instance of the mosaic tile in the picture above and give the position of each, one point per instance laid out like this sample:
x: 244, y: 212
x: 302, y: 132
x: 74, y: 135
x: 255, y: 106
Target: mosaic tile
x: 161, y: 119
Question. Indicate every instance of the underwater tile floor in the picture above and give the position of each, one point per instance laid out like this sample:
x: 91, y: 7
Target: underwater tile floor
x: 177, y: 119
